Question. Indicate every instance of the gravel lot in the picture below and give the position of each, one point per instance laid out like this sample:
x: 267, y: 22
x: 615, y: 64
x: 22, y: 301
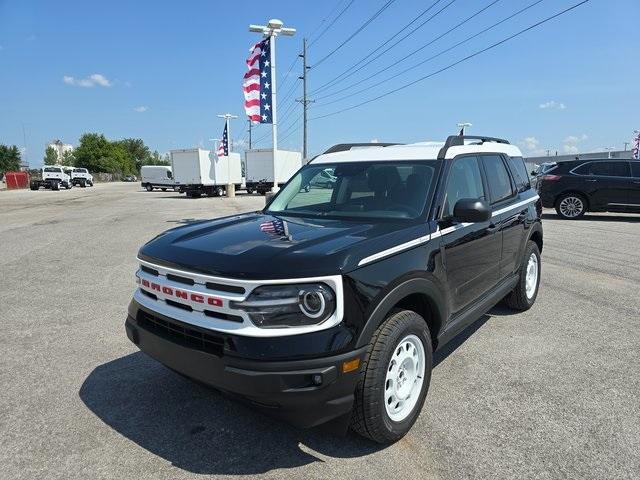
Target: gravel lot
x: 550, y: 393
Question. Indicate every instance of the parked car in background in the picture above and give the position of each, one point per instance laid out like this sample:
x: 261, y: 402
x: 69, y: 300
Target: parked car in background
x: 156, y: 176
x: 52, y: 177
x: 579, y: 186
x: 81, y: 177
x: 130, y: 178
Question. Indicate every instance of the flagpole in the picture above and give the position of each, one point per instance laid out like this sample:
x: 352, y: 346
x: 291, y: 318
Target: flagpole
x: 271, y: 30
x: 227, y: 126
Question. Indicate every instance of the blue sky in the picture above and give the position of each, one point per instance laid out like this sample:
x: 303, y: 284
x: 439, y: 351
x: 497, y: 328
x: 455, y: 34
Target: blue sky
x: 163, y: 70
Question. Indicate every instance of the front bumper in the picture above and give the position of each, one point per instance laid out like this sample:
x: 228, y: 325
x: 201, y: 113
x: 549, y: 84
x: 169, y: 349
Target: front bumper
x: 305, y: 393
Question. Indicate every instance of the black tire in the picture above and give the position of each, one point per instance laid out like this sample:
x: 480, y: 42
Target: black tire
x: 249, y: 191
x: 163, y: 189
x: 571, y: 206
x: 55, y: 186
x: 518, y: 298
x: 218, y: 192
x: 83, y: 184
x: 370, y: 418
x: 149, y: 187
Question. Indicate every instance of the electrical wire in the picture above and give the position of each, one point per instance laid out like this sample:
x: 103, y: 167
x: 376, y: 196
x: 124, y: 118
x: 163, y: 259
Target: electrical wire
x: 331, y: 24
x: 448, y: 67
x: 366, y: 58
x: 416, y: 65
x: 417, y: 50
x: 358, y: 30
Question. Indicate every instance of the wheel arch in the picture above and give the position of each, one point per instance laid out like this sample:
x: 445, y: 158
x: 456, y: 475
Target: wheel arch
x: 419, y: 295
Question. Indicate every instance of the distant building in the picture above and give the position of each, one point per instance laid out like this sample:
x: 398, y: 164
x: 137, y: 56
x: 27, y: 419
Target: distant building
x: 60, y: 148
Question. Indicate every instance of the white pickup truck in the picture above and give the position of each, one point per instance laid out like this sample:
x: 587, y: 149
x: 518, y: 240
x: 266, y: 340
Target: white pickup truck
x: 81, y: 177
x: 53, y: 177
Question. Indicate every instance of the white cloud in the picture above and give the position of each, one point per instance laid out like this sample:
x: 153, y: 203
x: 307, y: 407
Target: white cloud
x: 375, y: 140
x: 532, y: 147
x: 553, y: 105
x: 571, y: 144
x: 93, y: 80
x: 141, y: 109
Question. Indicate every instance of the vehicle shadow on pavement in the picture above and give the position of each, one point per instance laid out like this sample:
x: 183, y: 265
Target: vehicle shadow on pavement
x: 631, y: 218
x: 200, y: 430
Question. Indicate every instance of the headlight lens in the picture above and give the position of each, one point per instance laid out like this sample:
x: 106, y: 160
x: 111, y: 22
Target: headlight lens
x: 272, y: 306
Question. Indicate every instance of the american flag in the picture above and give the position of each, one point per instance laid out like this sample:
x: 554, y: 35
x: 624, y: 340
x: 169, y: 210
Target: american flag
x: 275, y: 227
x: 257, y: 83
x: 635, y: 151
x: 223, y: 148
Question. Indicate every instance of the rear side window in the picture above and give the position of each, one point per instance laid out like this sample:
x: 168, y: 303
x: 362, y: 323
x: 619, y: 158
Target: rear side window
x: 609, y: 169
x: 519, y: 170
x: 582, y: 169
x: 497, y: 178
x: 465, y: 181
x: 635, y: 169
x: 52, y: 169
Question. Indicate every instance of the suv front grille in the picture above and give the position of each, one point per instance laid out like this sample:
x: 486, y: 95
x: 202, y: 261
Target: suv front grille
x: 182, y: 334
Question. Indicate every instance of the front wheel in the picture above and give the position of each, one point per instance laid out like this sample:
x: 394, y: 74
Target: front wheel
x: 524, y: 295
x: 149, y: 187
x: 571, y: 206
x: 394, y: 378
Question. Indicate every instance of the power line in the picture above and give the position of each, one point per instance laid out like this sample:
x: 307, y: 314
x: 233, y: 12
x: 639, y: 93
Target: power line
x: 468, y: 57
x: 332, y: 22
x: 335, y: 80
x: 358, y: 30
x: 416, y: 65
x: 417, y: 50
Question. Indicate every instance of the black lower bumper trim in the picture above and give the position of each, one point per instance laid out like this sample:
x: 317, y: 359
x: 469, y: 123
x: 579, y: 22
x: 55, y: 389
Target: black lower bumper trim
x: 305, y: 393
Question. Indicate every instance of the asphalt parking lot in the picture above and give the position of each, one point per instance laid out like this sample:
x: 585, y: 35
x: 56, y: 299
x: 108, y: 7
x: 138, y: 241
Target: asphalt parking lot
x: 550, y: 393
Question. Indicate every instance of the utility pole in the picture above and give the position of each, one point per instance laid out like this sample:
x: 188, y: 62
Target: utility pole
x: 227, y: 117
x: 305, y: 101
x: 272, y: 30
x: 626, y: 144
x: 249, y: 134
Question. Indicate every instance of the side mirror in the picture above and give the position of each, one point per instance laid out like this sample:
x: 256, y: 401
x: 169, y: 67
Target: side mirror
x: 534, y: 173
x: 472, y: 210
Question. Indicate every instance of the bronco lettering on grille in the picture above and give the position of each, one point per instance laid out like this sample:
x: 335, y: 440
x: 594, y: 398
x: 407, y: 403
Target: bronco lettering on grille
x: 177, y: 293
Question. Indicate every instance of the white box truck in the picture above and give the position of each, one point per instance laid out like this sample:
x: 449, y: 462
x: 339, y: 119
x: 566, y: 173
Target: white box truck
x: 156, y: 176
x: 199, y: 172
x: 259, y: 168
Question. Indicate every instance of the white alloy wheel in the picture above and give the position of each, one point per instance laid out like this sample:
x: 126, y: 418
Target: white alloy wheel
x: 571, y: 207
x: 405, y: 375
x: 531, y: 280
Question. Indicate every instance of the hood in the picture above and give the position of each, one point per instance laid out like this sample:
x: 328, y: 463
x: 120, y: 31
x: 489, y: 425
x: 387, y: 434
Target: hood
x: 260, y: 246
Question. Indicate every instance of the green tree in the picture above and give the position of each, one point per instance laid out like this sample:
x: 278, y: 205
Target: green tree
x: 50, y: 156
x: 68, y: 158
x: 9, y: 158
x: 95, y: 153
x: 157, y: 159
x: 137, y: 151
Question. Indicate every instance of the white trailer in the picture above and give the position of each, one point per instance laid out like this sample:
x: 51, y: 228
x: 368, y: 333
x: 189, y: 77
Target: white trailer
x: 259, y: 168
x: 156, y: 176
x: 197, y: 171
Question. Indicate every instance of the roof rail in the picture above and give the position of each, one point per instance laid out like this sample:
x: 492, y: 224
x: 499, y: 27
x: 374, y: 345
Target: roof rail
x: 342, y: 147
x: 458, y: 140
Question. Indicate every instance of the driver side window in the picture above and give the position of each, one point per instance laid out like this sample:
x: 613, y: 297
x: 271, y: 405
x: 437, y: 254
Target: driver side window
x: 464, y: 181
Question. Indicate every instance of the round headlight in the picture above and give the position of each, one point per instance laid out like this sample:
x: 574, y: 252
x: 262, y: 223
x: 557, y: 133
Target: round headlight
x: 312, y: 303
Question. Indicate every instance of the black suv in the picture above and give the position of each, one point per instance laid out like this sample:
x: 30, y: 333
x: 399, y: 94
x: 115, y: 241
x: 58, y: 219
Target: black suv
x: 580, y: 186
x: 329, y: 303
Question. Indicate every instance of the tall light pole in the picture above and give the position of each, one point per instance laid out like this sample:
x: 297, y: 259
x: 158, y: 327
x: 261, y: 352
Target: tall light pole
x: 227, y: 117
x: 304, y: 101
x: 609, y: 149
x: 272, y: 30
x: 464, y: 125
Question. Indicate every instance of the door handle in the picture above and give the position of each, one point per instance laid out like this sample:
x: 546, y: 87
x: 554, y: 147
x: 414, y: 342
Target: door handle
x: 591, y: 180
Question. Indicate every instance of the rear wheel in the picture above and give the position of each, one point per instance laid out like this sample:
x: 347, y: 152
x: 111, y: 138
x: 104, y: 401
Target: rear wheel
x: 55, y: 186
x: 163, y: 189
x: 218, y: 192
x: 149, y: 187
x: 394, y: 378
x: 524, y: 295
x: 571, y: 206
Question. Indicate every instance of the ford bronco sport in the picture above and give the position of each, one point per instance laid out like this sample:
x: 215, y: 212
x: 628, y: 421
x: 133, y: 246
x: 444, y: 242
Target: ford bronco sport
x: 329, y: 303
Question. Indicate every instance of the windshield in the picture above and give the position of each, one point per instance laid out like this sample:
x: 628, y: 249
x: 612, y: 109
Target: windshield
x: 80, y: 170
x: 396, y: 190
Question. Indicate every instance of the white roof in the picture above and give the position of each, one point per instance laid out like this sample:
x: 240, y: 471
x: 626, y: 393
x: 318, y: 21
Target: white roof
x: 414, y: 151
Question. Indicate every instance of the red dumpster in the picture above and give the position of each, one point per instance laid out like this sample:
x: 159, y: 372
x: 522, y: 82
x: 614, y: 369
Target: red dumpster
x: 17, y: 180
